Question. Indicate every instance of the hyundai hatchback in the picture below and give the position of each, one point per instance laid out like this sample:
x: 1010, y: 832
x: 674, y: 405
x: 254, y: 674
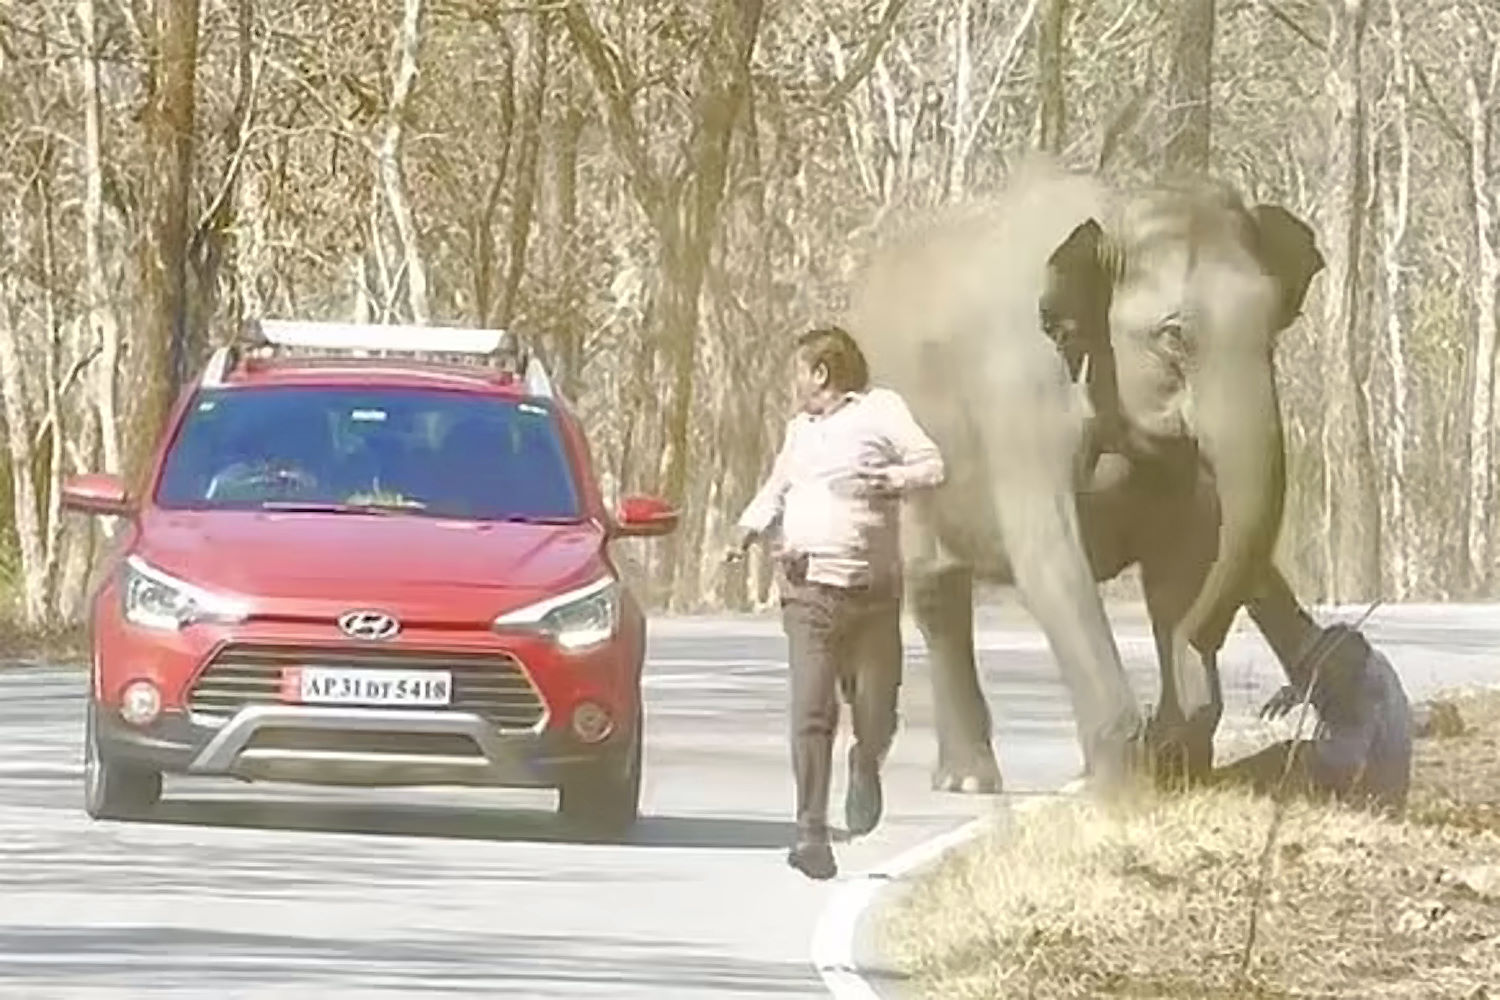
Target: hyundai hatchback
x: 352, y: 564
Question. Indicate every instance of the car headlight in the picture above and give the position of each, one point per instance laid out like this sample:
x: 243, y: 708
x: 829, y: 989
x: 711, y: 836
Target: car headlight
x: 576, y: 620
x: 154, y: 599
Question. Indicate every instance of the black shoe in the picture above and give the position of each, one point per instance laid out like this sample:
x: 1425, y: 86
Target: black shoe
x: 813, y: 858
x: 863, y: 801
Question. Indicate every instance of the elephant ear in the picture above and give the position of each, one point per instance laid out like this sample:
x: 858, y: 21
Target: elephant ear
x: 1289, y: 251
x: 1079, y: 253
x: 1074, y: 304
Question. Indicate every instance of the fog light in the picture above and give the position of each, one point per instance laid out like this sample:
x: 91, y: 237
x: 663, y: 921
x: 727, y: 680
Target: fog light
x: 591, y: 723
x: 141, y: 703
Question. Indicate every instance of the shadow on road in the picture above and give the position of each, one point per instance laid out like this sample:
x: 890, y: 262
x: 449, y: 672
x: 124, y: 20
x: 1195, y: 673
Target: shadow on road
x: 460, y: 823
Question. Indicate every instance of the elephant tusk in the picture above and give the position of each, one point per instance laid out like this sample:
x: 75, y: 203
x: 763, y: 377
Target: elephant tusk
x: 1083, y: 371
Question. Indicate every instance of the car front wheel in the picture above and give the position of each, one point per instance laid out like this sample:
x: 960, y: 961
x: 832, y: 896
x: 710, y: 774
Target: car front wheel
x: 605, y: 797
x: 113, y: 789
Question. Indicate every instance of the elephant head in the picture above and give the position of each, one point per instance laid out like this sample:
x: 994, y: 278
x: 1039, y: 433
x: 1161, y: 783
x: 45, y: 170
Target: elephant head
x: 1177, y: 297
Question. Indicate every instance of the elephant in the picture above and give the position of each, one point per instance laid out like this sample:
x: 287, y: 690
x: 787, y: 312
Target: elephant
x: 1097, y: 367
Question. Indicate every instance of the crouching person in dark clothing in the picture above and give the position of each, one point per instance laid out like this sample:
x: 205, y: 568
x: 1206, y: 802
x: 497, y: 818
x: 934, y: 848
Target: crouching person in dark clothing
x: 1362, y: 751
x: 846, y: 460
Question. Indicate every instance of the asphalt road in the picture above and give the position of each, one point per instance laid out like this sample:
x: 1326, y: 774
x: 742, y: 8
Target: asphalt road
x: 280, y: 891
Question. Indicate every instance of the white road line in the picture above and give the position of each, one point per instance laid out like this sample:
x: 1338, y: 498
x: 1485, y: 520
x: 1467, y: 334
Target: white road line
x: 720, y: 661
x: 834, y: 938
x: 710, y: 682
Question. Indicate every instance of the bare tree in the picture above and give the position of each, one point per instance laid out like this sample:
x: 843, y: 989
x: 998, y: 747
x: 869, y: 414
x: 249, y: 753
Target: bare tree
x: 568, y: 350
x: 1395, y: 191
x: 1188, y: 119
x: 18, y: 421
x: 1481, y: 82
x: 101, y: 319
x: 158, y: 344
x: 683, y: 205
x: 1349, y: 499
x: 408, y: 47
x: 538, y: 48
x: 1051, y: 56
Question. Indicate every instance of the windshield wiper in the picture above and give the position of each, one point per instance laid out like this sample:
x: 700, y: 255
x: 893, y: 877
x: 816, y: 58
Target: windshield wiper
x: 310, y: 507
x: 540, y: 519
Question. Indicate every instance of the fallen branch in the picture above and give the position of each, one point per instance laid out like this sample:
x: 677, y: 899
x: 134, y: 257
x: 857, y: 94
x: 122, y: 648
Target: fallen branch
x: 1278, y: 795
x: 62, y: 390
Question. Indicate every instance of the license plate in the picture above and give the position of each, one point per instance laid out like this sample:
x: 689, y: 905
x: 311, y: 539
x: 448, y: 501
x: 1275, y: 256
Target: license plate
x: 344, y: 686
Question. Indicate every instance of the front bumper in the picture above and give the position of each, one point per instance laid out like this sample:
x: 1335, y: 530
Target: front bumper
x: 344, y: 746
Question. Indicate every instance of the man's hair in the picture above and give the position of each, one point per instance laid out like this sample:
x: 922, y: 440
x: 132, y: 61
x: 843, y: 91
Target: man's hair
x: 836, y: 349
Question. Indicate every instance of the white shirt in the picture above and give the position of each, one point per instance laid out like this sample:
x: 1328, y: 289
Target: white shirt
x: 849, y: 540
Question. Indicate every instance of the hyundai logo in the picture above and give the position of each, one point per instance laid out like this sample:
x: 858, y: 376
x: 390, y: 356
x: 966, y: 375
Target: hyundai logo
x: 369, y: 625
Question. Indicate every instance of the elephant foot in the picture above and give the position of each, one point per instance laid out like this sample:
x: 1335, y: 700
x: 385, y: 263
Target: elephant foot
x: 976, y: 777
x: 1180, y: 754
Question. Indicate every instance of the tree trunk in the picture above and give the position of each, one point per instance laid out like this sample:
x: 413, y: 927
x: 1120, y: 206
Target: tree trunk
x: 212, y: 243
x: 1188, y: 123
x: 523, y: 203
x: 393, y: 184
x: 690, y: 228
x: 250, y: 211
x: 1051, y: 55
x: 102, y: 328
x: 683, y: 210
x: 18, y: 428
x: 1395, y: 187
x: 1349, y: 501
x: 569, y: 349
x: 78, y: 540
x: 484, y: 224
x: 956, y: 163
x: 1480, y: 98
x: 157, y: 346
x: 52, y: 394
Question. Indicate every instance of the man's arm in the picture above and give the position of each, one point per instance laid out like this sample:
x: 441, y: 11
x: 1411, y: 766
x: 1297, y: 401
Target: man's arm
x: 920, y: 464
x: 765, y: 506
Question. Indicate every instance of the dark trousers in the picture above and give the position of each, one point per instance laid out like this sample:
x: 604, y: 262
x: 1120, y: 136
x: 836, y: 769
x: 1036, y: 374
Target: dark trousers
x: 839, y: 641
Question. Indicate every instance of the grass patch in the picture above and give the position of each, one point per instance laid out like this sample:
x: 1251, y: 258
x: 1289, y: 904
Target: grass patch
x: 1151, y: 897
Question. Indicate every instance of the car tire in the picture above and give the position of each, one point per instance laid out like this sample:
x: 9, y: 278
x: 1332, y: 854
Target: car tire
x: 113, y: 789
x: 604, y: 797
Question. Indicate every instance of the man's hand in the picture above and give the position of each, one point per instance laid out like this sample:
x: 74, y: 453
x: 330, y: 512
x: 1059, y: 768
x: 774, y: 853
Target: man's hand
x: 874, y: 481
x: 735, y: 550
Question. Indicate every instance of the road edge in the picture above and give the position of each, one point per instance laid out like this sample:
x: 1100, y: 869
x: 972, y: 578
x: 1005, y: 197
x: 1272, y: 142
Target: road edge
x: 836, y: 933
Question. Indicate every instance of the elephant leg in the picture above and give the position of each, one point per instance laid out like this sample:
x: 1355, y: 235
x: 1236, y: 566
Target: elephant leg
x: 942, y: 598
x: 1191, y: 702
x: 1056, y: 582
x: 1287, y: 628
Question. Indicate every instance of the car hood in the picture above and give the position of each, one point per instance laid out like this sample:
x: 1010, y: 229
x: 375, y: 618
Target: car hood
x: 388, y: 560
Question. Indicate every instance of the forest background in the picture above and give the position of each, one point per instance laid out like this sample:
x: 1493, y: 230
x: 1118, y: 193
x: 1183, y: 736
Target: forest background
x: 658, y: 194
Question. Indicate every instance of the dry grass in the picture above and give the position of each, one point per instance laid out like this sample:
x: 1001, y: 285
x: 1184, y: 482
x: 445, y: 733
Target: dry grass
x: 1151, y: 898
x: 60, y: 642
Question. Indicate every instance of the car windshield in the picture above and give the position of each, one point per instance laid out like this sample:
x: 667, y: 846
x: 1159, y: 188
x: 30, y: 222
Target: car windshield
x: 441, y: 454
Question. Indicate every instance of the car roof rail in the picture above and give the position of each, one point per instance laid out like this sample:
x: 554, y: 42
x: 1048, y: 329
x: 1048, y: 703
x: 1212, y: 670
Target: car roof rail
x: 500, y: 348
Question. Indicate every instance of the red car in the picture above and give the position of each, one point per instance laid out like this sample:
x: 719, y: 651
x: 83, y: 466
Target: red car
x: 346, y: 568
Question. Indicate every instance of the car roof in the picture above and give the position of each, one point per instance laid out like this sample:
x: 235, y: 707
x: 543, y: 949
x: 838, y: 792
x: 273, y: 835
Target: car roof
x: 375, y: 372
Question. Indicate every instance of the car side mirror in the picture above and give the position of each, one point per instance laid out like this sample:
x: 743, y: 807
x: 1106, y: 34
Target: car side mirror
x: 645, y: 516
x: 97, y: 493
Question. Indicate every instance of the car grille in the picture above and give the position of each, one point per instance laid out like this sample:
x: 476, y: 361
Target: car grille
x: 492, y: 686
x: 287, y: 738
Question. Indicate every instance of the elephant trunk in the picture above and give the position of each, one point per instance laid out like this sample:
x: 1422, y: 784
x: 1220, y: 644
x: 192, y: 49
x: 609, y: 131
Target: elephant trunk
x: 1237, y: 421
